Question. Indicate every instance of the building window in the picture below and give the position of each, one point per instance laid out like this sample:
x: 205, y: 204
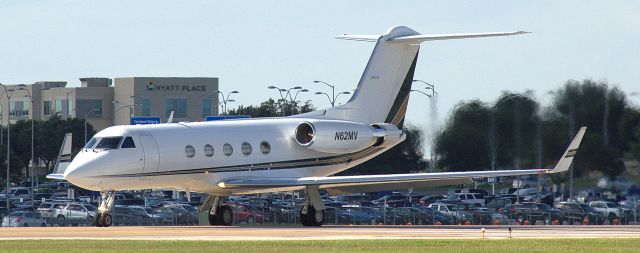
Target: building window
x: 69, y: 108
x: 58, y: 108
x: 92, y: 108
x: 206, y: 107
x: 208, y: 150
x: 146, y: 107
x: 19, y: 108
x: 46, y: 108
x: 265, y: 148
x: 245, y: 148
x: 227, y: 149
x: 190, y: 151
x: 178, y: 106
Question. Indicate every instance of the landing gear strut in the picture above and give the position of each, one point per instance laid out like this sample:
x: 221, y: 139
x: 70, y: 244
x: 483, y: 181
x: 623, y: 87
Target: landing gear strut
x: 103, y: 217
x: 312, y: 213
x: 218, y: 214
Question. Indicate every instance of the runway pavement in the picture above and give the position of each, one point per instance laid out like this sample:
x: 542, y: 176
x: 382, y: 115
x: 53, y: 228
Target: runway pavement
x: 321, y: 233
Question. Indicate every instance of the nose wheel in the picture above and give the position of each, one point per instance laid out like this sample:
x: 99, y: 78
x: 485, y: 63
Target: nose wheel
x: 103, y: 217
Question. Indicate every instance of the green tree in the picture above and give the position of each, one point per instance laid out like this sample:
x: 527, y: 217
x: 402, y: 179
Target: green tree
x: 271, y: 108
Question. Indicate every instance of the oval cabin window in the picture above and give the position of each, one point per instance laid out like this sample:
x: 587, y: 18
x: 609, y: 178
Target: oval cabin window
x: 208, y: 150
x: 265, y: 148
x: 189, y: 151
x: 246, y: 148
x: 227, y: 149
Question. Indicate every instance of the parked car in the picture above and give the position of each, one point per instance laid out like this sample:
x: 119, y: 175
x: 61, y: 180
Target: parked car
x: 474, y: 199
x: 457, y: 211
x: 612, y: 211
x: 497, y: 203
x: 532, y: 212
x: 427, y: 200
x: 23, y: 219
x: 72, y: 211
x: 358, y: 215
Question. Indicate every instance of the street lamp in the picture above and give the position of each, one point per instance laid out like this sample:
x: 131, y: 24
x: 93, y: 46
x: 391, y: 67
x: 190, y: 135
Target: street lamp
x: 284, y: 94
x: 225, y: 100
x: 6, y: 92
x: 33, y: 162
x: 333, y: 91
x: 429, y: 87
x: 428, y: 95
x: 332, y: 100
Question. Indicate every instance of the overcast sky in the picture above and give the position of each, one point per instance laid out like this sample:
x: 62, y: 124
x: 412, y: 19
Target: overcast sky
x: 252, y: 44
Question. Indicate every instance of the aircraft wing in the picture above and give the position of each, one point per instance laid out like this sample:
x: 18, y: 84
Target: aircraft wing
x: 348, y: 184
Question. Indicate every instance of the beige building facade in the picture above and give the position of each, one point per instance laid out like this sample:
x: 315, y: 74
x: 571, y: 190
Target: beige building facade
x: 104, y: 104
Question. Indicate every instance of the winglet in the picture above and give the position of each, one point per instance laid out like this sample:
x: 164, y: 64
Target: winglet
x: 566, y: 159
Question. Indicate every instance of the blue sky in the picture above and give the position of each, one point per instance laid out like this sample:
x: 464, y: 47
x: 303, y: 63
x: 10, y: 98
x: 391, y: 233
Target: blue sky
x: 252, y: 44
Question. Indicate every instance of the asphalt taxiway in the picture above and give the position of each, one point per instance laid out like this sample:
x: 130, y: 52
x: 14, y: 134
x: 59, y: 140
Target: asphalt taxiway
x: 320, y: 233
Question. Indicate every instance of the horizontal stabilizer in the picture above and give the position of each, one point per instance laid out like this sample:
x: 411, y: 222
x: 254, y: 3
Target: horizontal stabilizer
x: 417, y: 39
x: 367, y: 38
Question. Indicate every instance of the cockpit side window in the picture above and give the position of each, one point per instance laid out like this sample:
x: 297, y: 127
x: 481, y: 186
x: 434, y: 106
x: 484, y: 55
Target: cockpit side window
x: 109, y: 143
x: 91, y: 143
x: 128, y: 143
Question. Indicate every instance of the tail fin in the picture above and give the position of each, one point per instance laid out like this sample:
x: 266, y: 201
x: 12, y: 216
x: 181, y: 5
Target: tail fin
x: 382, y: 94
x: 64, y: 158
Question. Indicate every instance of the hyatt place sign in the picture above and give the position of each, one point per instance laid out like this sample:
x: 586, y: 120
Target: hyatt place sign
x: 168, y: 87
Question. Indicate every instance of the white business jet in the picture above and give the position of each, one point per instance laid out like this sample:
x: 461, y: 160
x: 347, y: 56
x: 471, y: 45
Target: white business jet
x: 300, y: 152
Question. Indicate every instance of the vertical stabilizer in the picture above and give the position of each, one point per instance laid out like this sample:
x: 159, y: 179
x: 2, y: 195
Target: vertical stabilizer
x: 382, y: 94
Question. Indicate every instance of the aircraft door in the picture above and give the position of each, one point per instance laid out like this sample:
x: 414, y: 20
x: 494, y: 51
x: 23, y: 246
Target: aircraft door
x: 151, y: 154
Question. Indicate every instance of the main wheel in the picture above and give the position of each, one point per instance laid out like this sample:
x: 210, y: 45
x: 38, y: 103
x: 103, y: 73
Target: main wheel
x: 98, y: 220
x: 312, y: 218
x: 224, y: 216
x: 213, y: 219
x: 107, y: 221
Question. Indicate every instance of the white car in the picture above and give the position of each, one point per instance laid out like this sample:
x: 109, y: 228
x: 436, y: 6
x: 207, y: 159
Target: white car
x: 612, y: 210
x: 23, y: 219
x: 73, y: 211
x: 474, y: 199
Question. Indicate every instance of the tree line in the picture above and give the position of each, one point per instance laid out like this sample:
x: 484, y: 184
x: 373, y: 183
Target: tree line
x: 517, y: 132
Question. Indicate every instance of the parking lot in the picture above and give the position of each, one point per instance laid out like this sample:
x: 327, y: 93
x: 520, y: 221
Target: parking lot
x: 509, y: 206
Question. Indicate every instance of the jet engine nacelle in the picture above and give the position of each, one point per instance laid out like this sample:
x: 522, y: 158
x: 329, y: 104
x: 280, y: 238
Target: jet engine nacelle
x: 336, y: 136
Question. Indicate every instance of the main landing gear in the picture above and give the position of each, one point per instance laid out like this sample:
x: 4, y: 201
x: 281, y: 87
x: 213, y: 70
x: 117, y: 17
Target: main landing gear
x: 312, y: 213
x: 218, y: 214
x: 103, y: 217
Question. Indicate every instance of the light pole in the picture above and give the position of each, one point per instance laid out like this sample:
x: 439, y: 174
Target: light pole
x: 284, y: 94
x: 33, y: 162
x: 6, y: 92
x: 294, y: 99
x: 333, y: 92
x: 332, y: 100
x: 226, y: 99
x: 429, y: 87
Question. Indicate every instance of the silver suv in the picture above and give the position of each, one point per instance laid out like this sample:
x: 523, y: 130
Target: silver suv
x: 612, y: 211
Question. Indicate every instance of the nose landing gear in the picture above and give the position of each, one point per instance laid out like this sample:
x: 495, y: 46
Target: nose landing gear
x: 103, y: 217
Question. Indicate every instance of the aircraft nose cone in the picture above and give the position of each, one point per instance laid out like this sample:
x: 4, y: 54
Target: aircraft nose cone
x: 78, y: 174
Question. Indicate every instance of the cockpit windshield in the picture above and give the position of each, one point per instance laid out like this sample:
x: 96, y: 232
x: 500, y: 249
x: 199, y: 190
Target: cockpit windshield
x: 109, y: 143
x: 91, y: 143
